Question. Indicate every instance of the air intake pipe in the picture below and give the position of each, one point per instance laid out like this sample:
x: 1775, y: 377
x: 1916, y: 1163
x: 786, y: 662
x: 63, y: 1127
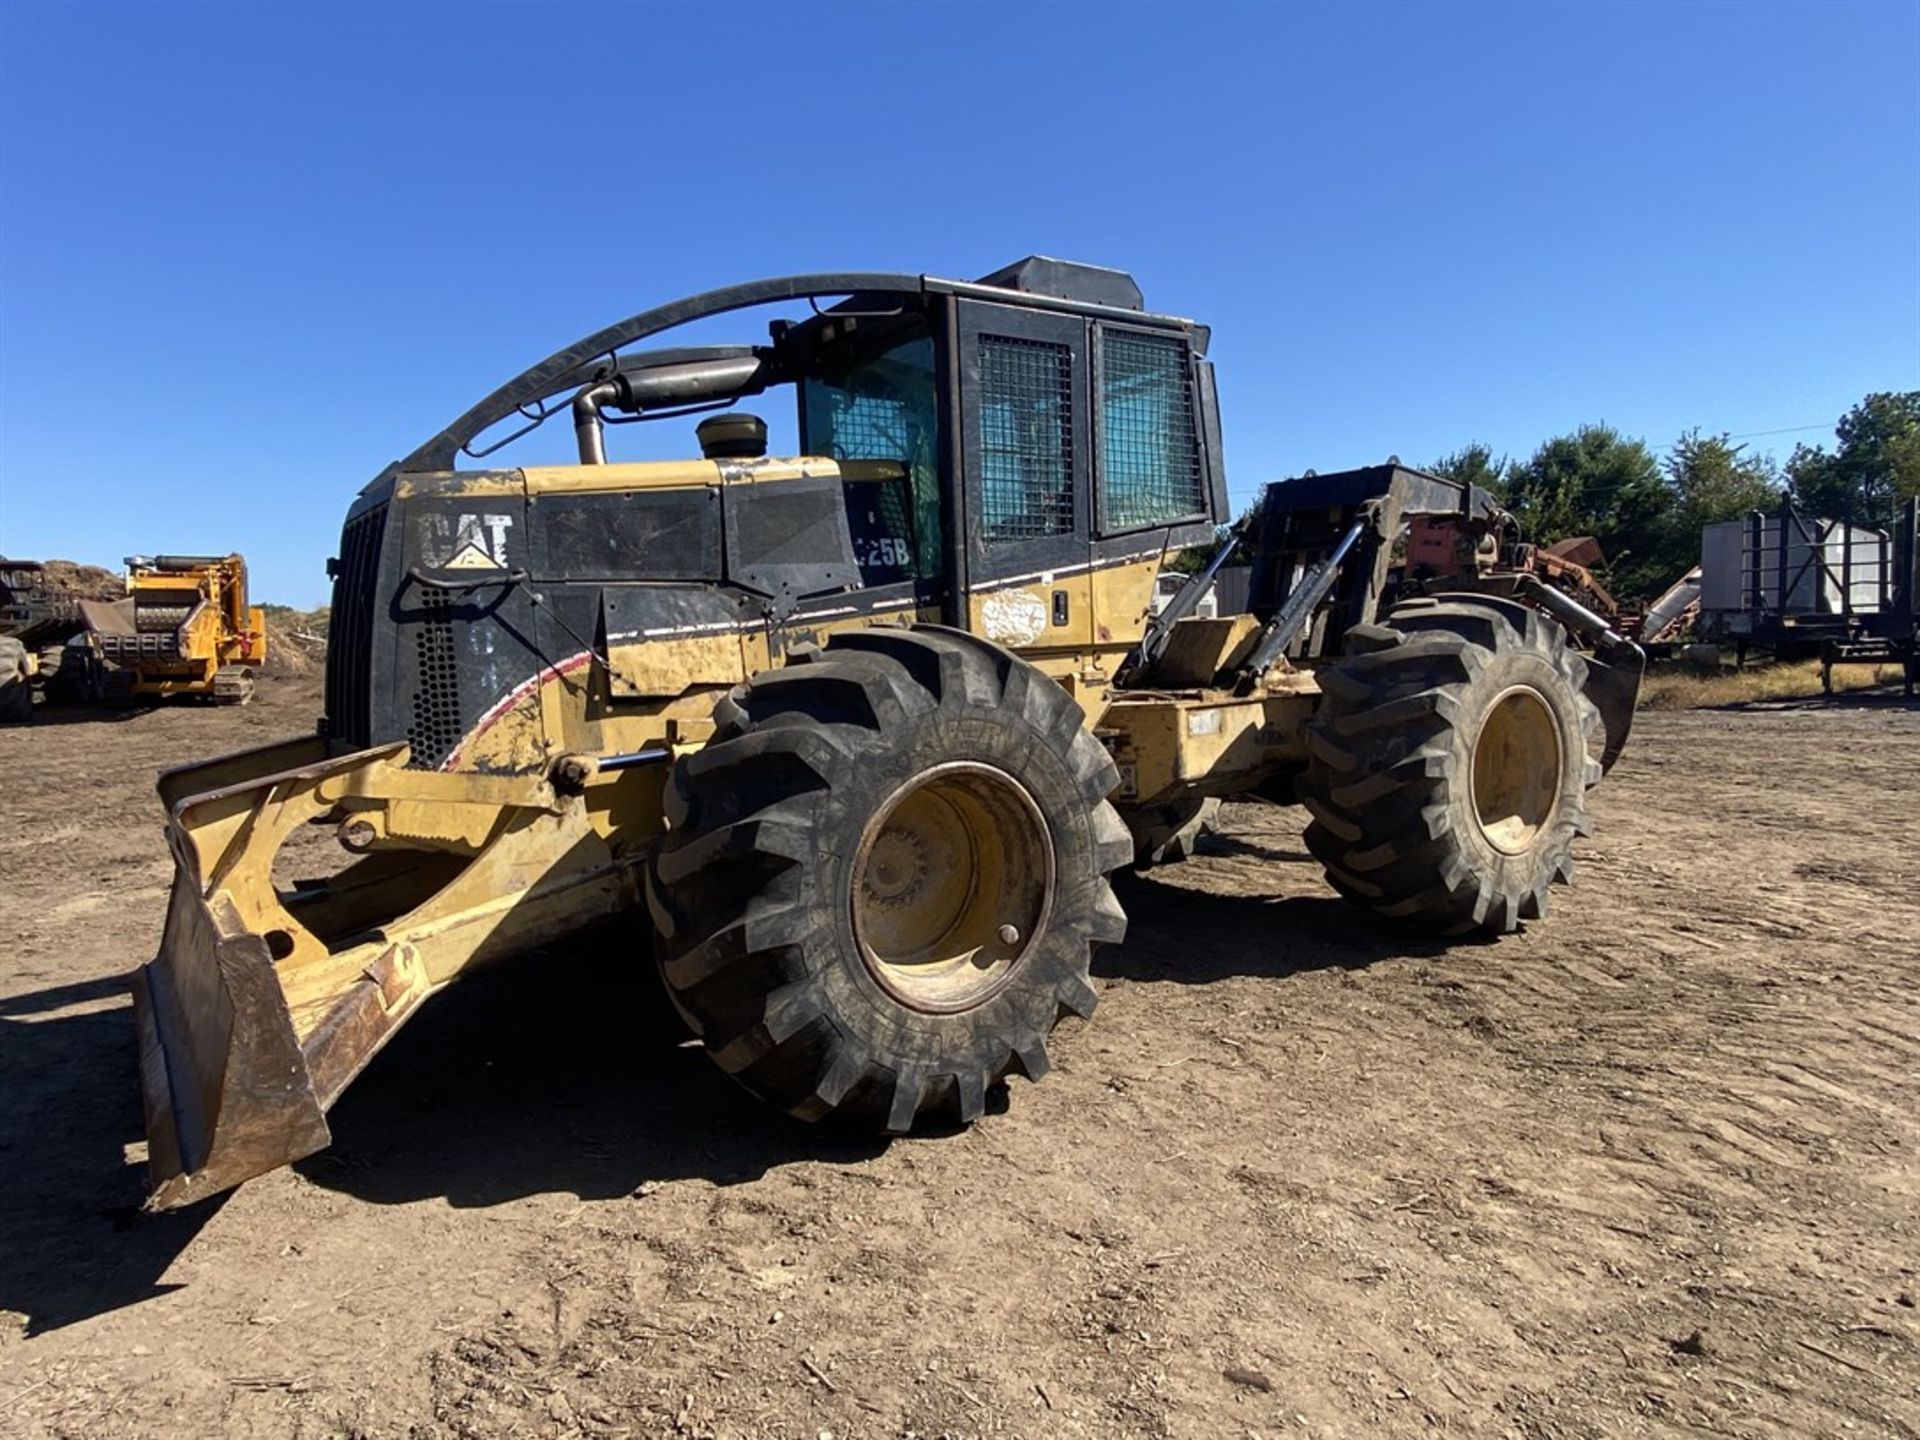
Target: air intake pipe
x: 588, y: 432
x: 662, y: 387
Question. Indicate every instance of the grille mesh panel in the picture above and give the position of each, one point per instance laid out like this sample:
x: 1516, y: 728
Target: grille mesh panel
x: 436, y: 698
x: 1150, y: 461
x: 350, y: 634
x: 790, y: 525
x: 1026, y: 438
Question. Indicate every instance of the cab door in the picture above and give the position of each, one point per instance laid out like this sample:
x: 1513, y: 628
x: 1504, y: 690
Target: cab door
x: 1025, y: 448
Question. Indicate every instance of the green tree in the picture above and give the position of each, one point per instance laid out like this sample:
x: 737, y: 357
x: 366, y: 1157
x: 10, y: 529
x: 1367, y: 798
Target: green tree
x: 1194, y: 558
x: 1875, y: 466
x: 1712, y: 479
x: 1474, y: 464
x: 1597, y: 482
x: 1190, y: 561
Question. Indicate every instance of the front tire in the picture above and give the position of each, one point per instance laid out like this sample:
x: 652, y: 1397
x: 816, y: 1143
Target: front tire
x: 1450, y: 761
x: 884, y: 876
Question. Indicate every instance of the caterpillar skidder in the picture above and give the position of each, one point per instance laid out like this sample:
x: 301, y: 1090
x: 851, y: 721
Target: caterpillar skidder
x: 856, y: 736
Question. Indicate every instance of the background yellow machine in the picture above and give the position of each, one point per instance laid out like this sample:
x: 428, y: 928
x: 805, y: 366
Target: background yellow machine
x: 184, y: 628
x: 852, y: 736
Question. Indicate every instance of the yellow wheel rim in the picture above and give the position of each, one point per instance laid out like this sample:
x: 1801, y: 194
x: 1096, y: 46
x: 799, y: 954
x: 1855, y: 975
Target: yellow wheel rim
x: 1516, y: 769
x: 951, y: 886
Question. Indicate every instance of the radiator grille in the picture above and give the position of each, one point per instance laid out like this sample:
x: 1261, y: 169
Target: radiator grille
x: 350, y: 630
x: 436, y: 695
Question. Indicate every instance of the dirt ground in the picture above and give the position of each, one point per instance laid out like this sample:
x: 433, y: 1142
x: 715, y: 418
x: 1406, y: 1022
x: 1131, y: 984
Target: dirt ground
x: 1648, y: 1168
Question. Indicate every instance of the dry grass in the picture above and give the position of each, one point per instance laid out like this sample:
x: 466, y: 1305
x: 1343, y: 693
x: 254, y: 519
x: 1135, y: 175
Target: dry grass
x: 1680, y: 687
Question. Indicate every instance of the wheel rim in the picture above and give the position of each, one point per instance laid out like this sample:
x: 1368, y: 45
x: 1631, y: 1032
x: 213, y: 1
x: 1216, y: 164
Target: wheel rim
x: 951, y: 886
x: 1516, y: 769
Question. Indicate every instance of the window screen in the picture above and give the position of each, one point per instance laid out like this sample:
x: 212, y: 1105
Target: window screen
x: 1026, y: 438
x: 1149, y: 456
x: 883, y: 407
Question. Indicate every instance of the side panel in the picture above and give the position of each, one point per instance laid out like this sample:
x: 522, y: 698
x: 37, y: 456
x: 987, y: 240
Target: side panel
x: 1123, y: 599
x: 360, y: 577
x: 662, y: 640
x: 467, y: 629
x: 1723, y: 566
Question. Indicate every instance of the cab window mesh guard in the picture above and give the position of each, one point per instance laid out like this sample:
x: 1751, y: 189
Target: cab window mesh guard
x: 1026, y: 438
x: 1150, y: 461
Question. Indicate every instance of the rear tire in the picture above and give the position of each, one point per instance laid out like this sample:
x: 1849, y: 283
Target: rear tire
x: 1449, y: 764
x: 16, y: 685
x: 884, y: 877
x: 65, y: 672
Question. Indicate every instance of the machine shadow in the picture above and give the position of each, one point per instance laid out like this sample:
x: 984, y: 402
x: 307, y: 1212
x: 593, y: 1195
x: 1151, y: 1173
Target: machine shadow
x: 558, y: 1071
x: 563, y: 1071
x: 88, y: 714
x: 1195, y: 937
x: 1226, y: 843
x: 73, y: 1241
x: 1886, y: 697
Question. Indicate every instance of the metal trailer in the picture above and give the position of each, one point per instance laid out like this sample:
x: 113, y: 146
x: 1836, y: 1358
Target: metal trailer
x: 1230, y: 589
x: 1797, y: 586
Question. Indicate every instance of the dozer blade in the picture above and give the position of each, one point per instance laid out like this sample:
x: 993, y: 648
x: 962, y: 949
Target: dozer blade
x: 219, y: 1063
x: 263, y: 1003
x: 230, y: 1089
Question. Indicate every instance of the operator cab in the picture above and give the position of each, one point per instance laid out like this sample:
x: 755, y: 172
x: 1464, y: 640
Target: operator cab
x: 1037, y: 421
x: 1012, y: 456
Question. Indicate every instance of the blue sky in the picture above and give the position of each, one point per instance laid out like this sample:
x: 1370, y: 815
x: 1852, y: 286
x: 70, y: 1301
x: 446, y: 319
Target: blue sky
x: 249, y: 254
